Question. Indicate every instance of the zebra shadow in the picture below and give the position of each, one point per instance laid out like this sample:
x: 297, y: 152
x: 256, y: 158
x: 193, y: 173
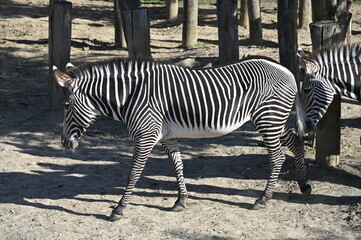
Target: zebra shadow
x: 101, y: 164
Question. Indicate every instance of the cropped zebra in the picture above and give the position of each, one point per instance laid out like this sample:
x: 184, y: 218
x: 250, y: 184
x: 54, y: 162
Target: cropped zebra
x: 330, y: 71
x: 161, y: 102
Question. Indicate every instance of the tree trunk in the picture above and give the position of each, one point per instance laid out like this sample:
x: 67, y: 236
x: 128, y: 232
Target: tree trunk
x: 243, y: 16
x: 227, y: 31
x: 118, y: 27
x: 190, y: 23
x: 137, y: 30
x: 305, y: 14
x: 59, y: 48
x: 255, y: 22
x: 171, y: 9
x: 287, y: 34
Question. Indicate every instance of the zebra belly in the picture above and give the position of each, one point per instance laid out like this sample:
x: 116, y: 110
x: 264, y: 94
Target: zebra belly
x: 173, y: 130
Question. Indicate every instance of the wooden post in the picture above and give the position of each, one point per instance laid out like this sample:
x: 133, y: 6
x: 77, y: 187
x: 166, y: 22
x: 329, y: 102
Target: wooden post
x: 59, y: 48
x: 190, y: 22
x: 227, y: 31
x: 118, y: 26
x: 305, y: 15
x: 137, y: 31
x: 327, y: 33
x: 287, y: 34
x: 319, y: 10
x: 345, y: 19
x: 255, y: 22
x: 243, y: 16
x: 171, y: 9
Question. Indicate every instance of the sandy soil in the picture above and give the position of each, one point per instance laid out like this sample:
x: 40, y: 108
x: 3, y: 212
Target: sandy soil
x: 47, y: 192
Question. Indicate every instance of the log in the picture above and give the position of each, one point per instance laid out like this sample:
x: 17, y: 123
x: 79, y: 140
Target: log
x: 227, y: 31
x: 190, y: 23
x: 137, y: 32
x: 255, y: 22
x: 59, y: 48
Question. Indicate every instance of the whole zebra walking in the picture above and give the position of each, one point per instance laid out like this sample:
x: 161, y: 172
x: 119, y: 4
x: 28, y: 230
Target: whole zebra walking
x: 330, y: 71
x: 161, y: 102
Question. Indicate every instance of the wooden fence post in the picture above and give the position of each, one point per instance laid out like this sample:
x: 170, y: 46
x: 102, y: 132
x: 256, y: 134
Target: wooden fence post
x: 327, y: 33
x: 59, y: 47
x: 287, y: 35
x: 255, y: 22
x: 227, y: 31
x: 190, y: 23
x: 118, y: 26
x: 171, y: 9
x: 137, y: 32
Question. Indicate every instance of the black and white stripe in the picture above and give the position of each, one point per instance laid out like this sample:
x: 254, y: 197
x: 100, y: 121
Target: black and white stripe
x: 330, y: 71
x: 161, y: 102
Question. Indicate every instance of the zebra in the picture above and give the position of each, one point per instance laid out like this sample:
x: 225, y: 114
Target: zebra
x: 161, y: 102
x: 329, y: 71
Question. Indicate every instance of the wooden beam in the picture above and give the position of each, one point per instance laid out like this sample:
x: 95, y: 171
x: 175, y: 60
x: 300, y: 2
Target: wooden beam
x: 328, y: 33
x: 287, y: 34
x: 137, y: 32
x: 227, y: 31
x: 59, y: 48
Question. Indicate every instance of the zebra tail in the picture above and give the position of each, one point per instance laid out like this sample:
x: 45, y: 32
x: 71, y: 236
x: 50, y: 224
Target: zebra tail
x: 301, y: 116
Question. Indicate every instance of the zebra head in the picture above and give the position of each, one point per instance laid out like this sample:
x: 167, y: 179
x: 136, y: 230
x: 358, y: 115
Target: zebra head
x: 78, y: 113
x: 317, y: 92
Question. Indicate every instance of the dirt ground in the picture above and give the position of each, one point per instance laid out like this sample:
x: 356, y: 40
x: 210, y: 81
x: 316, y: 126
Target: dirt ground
x: 47, y: 192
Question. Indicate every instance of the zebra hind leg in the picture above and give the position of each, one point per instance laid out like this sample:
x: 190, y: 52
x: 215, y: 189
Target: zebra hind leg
x: 172, y: 150
x: 276, y: 157
x: 296, y: 146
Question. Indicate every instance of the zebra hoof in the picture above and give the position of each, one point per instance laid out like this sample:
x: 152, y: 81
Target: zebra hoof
x: 306, y: 191
x: 259, y: 204
x: 178, y: 207
x: 116, y: 215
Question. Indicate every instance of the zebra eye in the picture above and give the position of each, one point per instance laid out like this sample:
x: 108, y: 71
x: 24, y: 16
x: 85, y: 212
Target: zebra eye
x: 68, y: 101
x: 307, y: 90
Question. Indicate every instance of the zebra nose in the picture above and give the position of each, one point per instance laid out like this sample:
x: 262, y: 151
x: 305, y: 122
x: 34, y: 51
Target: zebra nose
x: 70, y: 142
x: 73, y: 144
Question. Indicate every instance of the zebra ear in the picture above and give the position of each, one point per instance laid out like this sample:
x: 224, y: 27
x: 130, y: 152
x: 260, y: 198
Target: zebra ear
x: 301, y: 62
x: 61, y: 78
x: 69, y: 67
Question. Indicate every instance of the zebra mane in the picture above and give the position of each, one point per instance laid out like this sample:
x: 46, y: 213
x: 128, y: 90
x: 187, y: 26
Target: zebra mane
x: 250, y: 57
x: 80, y: 70
x: 343, y: 53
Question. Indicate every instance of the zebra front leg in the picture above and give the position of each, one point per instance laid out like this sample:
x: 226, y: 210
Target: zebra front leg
x: 141, y: 153
x: 296, y: 146
x: 172, y: 150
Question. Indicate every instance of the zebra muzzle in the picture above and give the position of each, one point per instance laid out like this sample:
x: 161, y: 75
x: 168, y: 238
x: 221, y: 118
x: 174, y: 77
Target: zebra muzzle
x: 70, y: 143
x: 310, y: 126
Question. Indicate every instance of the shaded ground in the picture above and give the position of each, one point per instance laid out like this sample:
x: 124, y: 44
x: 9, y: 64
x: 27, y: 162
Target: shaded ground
x: 47, y: 192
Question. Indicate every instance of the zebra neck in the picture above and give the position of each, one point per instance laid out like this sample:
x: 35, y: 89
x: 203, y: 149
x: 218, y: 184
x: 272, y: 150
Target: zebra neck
x: 347, y: 84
